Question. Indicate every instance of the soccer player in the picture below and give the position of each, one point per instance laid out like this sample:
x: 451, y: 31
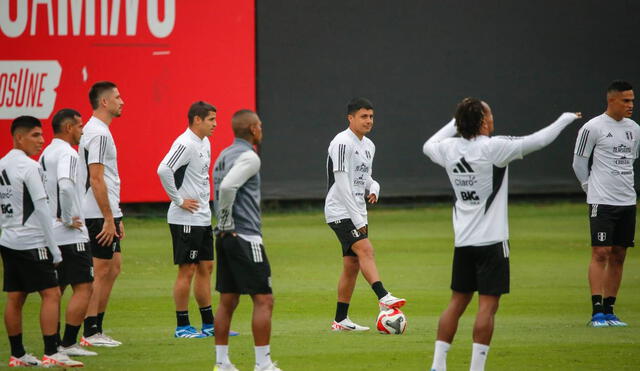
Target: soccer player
x: 27, y: 245
x: 477, y: 166
x: 184, y: 173
x: 349, y: 168
x: 243, y: 267
x: 101, y: 206
x: 60, y: 164
x: 611, y: 141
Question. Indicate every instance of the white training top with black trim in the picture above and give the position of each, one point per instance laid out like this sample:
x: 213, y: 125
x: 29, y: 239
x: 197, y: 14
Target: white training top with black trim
x: 185, y: 174
x: 348, y: 154
x: 20, y: 186
x: 60, y: 162
x: 613, y: 147
x: 478, y: 173
x: 97, y: 147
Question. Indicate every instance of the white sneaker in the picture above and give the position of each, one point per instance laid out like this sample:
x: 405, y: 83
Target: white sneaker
x: 76, y: 350
x: 97, y: 340
x: 347, y: 325
x: 27, y: 360
x: 225, y: 367
x: 59, y: 360
x: 390, y: 302
x: 271, y: 367
x: 109, y: 338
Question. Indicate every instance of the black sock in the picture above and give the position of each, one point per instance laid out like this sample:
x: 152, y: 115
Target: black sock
x: 379, y: 289
x: 596, y: 304
x: 99, y: 321
x: 90, y: 326
x: 207, y: 315
x: 58, y: 340
x: 70, y: 335
x: 50, y: 346
x: 183, y: 317
x: 17, y: 349
x: 341, y: 311
x: 608, y: 304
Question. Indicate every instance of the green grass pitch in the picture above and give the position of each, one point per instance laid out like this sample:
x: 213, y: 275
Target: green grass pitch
x: 541, y: 324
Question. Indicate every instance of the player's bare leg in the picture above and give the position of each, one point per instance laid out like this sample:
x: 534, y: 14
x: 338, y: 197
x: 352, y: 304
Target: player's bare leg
x: 78, y: 303
x: 49, y: 310
x: 366, y: 258
x: 113, y: 273
x: 348, y: 277
x: 202, y: 283
x: 261, y: 321
x: 224, y: 314
x: 597, y: 268
x: 13, y: 312
x: 615, y: 265
x: 182, y: 286
x: 483, y: 327
x: 448, y: 324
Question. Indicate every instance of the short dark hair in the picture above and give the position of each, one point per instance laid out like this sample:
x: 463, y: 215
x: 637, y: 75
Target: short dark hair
x: 96, y: 91
x: 24, y: 122
x: 356, y: 104
x: 619, y: 86
x: 200, y: 109
x: 469, y: 115
x: 61, y: 116
x: 241, y: 124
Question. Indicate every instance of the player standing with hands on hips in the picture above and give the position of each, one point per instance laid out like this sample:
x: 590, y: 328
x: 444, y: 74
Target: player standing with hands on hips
x: 477, y: 166
x: 611, y: 141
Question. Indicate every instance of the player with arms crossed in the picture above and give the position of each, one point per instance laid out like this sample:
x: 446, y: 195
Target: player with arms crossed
x: 60, y: 163
x: 185, y: 176
x: 349, y: 169
x: 99, y: 167
x: 28, y: 247
x: 477, y: 166
x: 611, y: 141
x: 243, y: 267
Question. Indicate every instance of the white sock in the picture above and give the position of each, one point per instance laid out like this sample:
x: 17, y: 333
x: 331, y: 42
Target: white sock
x: 263, y: 356
x: 222, y: 355
x: 479, y: 357
x: 440, y: 356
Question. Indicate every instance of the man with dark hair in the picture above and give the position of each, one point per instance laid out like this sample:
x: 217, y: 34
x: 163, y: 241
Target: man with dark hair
x: 27, y: 245
x: 184, y: 173
x: 477, y: 168
x: 349, y: 169
x: 60, y: 164
x: 243, y: 267
x: 611, y: 141
x: 101, y: 206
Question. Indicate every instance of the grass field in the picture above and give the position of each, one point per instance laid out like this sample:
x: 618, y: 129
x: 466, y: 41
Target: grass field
x: 540, y: 325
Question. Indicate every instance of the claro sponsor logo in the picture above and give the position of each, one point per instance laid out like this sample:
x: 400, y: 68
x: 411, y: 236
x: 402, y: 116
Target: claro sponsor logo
x: 28, y: 88
x: 86, y: 11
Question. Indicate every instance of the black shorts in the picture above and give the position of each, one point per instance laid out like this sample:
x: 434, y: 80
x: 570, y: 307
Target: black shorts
x: 98, y: 251
x: 191, y: 243
x: 481, y: 268
x: 242, y: 268
x: 347, y: 235
x: 28, y: 270
x: 612, y: 225
x: 76, y: 266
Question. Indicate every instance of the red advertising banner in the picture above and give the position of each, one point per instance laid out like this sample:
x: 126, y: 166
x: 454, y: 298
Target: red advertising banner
x: 162, y: 54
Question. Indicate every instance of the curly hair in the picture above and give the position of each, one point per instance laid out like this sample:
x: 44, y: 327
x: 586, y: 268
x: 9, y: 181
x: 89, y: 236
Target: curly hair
x: 469, y: 116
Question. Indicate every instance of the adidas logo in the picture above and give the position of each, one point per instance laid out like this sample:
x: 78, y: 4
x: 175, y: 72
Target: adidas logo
x: 462, y: 167
x: 609, y: 135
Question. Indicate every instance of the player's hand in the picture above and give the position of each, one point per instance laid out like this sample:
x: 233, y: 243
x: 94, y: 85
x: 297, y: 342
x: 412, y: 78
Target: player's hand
x: 373, y: 198
x: 190, y: 205
x: 579, y: 114
x: 363, y: 230
x: 76, y: 223
x: 121, y: 235
x: 105, y: 237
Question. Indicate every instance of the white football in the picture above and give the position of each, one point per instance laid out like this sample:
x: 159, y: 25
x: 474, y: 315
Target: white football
x: 391, y: 321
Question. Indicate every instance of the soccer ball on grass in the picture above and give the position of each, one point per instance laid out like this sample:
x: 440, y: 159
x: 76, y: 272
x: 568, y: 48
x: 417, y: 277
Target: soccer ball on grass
x: 391, y: 321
